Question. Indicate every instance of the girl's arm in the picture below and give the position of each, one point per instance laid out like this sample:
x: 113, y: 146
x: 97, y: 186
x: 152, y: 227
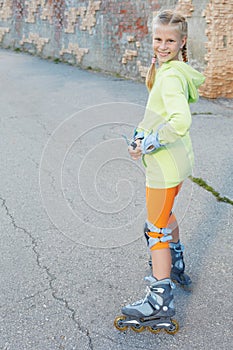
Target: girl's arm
x: 175, y: 98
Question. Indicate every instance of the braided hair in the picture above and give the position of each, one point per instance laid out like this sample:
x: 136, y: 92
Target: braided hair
x: 168, y: 17
x: 184, y: 53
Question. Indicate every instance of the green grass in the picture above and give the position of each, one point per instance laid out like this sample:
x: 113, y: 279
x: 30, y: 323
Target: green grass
x: 57, y: 60
x: 202, y: 113
x: 199, y: 181
x: 17, y: 49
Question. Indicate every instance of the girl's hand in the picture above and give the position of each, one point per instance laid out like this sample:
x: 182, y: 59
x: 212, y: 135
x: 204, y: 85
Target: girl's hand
x: 135, y: 153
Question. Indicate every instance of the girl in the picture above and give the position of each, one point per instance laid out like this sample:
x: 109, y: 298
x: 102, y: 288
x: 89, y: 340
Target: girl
x: 163, y: 141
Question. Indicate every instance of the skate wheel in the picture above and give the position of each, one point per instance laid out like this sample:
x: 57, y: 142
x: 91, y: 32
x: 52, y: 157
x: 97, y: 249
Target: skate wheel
x: 137, y: 328
x: 119, y: 324
x: 173, y: 329
x: 154, y: 329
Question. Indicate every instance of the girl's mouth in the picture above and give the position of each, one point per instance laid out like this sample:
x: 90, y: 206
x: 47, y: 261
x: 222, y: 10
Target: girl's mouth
x: 163, y: 54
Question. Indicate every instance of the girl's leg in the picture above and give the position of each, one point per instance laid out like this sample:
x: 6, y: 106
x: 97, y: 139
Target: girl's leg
x: 157, y: 308
x: 161, y: 263
x: 173, y: 225
x: 159, y: 205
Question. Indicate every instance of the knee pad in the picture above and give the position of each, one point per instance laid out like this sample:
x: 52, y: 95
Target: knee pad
x: 157, y: 238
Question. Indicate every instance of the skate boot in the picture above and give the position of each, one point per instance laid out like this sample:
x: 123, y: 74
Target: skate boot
x: 154, y: 311
x: 178, y: 266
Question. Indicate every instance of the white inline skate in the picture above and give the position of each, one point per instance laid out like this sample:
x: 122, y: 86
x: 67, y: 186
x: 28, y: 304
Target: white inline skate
x: 154, y: 312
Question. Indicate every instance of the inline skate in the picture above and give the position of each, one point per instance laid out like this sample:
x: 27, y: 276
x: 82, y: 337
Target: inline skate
x: 154, y: 312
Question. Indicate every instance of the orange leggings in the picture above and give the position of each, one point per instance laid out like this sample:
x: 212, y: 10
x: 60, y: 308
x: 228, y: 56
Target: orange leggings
x: 159, y: 203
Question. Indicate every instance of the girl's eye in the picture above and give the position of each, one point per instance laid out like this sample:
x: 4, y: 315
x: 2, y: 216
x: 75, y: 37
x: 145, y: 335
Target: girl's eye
x: 171, y: 41
x: 157, y: 39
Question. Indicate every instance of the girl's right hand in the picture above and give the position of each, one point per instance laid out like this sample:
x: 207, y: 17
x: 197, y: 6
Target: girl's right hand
x: 135, y: 153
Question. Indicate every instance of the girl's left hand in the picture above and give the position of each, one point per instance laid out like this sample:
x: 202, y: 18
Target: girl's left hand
x: 137, y: 152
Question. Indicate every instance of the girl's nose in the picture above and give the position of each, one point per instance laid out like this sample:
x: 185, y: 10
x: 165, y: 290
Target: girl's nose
x: 163, y: 45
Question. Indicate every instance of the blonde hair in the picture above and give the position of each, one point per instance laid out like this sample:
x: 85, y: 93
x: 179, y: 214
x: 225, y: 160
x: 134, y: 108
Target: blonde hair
x: 168, y: 17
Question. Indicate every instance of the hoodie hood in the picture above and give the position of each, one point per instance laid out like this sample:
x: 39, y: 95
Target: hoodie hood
x: 192, y: 76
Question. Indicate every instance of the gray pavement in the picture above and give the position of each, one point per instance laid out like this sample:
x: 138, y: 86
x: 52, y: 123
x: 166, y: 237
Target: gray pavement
x: 72, y: 211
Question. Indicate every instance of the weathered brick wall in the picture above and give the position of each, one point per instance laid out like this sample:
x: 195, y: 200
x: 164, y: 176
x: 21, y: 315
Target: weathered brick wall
x: 219, y: 71
x: 115, y: 35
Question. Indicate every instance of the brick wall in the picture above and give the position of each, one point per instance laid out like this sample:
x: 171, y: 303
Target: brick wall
x: 115, y: 35
x: 219, y: 71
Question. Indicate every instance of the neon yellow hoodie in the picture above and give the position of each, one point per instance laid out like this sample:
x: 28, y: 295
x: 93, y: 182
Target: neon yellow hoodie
x: 168, y: 113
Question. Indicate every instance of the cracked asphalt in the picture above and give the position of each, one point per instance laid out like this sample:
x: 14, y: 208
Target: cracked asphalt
x: 72, y: 211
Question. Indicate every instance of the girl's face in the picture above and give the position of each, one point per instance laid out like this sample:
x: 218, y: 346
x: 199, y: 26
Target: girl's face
x: 167, y: 42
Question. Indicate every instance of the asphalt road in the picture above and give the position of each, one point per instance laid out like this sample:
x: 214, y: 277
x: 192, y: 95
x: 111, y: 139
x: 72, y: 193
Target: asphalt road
x: 72, y: 211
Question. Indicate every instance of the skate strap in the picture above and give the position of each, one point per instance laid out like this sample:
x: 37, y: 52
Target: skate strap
x: 152, y: 281
x: 177, y: 247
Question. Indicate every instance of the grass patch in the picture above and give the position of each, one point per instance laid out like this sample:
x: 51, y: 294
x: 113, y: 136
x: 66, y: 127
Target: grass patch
x: 202, y: 183
x: 202, y: 113
x: 57, y: 60
x: 17, y: 49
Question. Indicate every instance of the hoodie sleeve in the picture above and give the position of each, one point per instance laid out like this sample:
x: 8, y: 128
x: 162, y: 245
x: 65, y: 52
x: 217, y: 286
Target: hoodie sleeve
x: 174, y: 93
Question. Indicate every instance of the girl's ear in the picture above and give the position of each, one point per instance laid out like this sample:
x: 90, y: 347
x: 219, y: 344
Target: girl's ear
x: 183, y: 41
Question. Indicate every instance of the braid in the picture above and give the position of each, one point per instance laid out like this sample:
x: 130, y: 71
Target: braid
x: 184, y: 53
x: 150, y: 77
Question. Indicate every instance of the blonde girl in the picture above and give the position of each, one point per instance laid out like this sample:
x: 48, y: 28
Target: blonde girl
x: 164, y: 143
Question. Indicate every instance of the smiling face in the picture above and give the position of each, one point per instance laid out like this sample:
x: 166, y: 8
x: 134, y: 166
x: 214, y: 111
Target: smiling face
x: 167, y: 42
